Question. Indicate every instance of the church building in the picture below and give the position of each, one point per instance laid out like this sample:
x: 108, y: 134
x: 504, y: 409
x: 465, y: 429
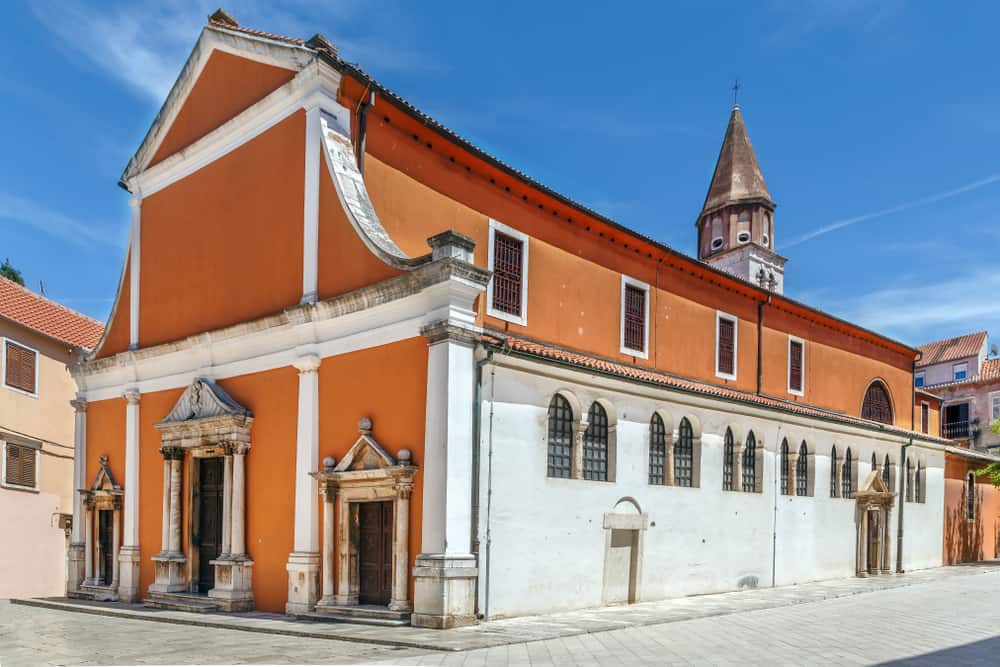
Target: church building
x: 359, y: 368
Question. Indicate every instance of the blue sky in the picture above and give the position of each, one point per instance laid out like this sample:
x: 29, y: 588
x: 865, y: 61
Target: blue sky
x: 876, y: 125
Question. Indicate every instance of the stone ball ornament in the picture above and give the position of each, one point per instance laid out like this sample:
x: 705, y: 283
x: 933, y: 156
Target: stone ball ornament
x: 405, y: 457
x: 328, y: 463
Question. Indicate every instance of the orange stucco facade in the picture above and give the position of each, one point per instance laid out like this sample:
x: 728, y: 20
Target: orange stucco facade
x: 968, y: 539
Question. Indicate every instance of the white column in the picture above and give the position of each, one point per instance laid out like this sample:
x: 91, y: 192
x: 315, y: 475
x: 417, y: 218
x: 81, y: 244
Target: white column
x: 88, y: 571
x: 304, y: 562
x: 401, y: 550
x: 165, y: 532
x: 239, y: 502
x: 227, y: 503
x: 310, y: 235
x: 129, y: 554
x: 176, y: 459
x: 135, y: 203
x: 116, y: 542
x: 328, y: 541
x: 79, y: 466
x: 98, y: 553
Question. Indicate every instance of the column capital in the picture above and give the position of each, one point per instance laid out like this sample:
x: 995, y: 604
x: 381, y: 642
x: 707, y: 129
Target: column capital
x: 131, y: 396
x: 440, y: 331
x: 240, y: 448
x: 135, y: 201
x: 307, y: 363
x: 79, y: 404
x: 171, y: 453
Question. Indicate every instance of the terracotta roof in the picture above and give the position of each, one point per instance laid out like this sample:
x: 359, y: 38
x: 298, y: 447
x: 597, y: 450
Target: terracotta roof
x: 972, y: 454
x: 950, y: 349
x: 257, y: 33
x: 988, y: 372
x: 584, y: 361
x: 47, y: 317
x: 737, y: 174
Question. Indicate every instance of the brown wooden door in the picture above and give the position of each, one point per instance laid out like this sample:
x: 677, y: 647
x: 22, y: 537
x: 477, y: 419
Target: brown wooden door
x: 209, y: 520
x: 375, y: 552
x: 874, y: 542
x: 104, y: 538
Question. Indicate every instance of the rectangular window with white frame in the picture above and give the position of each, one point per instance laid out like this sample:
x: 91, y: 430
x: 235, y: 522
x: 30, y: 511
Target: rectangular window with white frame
x: 925, y: 417
x: 507, y: 293
x: 919, y: 379
x: 726, y: 345
x: 995, y: 406
x: 634, y: 318
x: 20, y: 465
x: 20, y: 367
x: 960, y: 371
x: 796, y: 366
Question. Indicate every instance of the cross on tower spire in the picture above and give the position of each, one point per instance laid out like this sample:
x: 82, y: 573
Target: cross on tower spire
x: 736, y: 92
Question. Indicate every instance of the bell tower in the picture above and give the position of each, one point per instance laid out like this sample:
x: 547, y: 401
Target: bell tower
x: 736, y: 223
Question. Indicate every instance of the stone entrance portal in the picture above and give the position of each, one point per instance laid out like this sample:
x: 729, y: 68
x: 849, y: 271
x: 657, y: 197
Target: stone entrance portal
x: 206, y: 436
x: 872, y: 521
x: 102, y: 504
x: 624, y: 526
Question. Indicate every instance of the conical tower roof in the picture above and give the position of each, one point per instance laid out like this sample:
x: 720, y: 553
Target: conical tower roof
x: 737, y: 175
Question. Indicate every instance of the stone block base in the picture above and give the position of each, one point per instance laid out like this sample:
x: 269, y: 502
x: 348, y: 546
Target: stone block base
x: 169, y: 574
x: 233, y: 584
x: 128, y: 573
x: 444, y: 590
x: 303, y: 582
x: 75, y: 567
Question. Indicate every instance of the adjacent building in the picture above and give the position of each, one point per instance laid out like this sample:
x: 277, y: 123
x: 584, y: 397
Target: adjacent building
x: 39, y: 340
x: 966, y: 378
x: 971, y: 508
x: 359, y: 366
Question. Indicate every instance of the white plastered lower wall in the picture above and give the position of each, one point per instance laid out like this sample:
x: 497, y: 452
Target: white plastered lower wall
x: 543, y: 548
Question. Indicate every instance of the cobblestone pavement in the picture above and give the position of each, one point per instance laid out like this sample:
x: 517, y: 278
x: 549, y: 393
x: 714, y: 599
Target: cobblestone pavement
x: 945, y: 616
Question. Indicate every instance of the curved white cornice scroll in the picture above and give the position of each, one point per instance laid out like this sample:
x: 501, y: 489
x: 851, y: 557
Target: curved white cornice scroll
x: 354, y: 198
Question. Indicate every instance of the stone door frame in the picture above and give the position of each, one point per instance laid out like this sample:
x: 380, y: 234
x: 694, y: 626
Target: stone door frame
x: 636, y: 521
x: 104, y: 495
x: 872, y: 498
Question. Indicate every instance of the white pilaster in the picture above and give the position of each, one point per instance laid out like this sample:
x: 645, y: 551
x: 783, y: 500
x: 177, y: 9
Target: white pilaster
x: 134, y: 260
x: 75, y: 555
x: 310, y: 236
x: 129, y: 553
x: 304, y: 562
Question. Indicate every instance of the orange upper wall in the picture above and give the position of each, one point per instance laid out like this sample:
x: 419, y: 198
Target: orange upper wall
x: 226, y: 86
x: 224, y: 245
x: 116, y: 338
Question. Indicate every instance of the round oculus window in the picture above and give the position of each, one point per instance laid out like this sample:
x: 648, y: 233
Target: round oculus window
x: 716, y: 243
x: 743, y: 237
x: 765, y: 240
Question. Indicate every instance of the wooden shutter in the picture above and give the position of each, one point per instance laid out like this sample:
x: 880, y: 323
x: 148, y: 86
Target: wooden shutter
x: 507, y: 273
x: 727, y: 346
x: 635, y: 318
x: 19, y: 367
x: 795, y: 366
x: 19, y: 466
x: 924, y: 417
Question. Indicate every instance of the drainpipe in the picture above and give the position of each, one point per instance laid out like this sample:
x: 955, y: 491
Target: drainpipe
x: 476, y: 430
x: 760, y: 342
x: 774, y: 516
x: 902, y: 468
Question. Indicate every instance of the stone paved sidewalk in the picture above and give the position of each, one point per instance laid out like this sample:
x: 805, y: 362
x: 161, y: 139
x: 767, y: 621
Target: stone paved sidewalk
x: 532, y: 628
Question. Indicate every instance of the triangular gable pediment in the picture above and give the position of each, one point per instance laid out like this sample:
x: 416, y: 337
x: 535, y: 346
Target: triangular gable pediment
x: 105, y: 480
x: 365, y: 454
x: 873, y: 485
x: 204, y: 399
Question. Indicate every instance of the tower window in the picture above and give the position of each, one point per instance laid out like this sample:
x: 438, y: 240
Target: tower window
x: 716, y: 243
x: 765, y: 240
x: 744, y: 216
x: 743, y: 237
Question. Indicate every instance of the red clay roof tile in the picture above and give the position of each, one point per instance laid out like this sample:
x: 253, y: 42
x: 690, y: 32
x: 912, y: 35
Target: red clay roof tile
x: 47, y: 317
x: 951, y: 348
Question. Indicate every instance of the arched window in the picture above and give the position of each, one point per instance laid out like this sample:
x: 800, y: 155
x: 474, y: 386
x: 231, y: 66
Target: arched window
x: 727, y: 462
x: 909, y: 481
x: 744, y: 216
x: 970, y: 497
x: 874, y: 462
x: 846, y: 476
x: 802, y: 472
x: 684, y: 454
x: 918, y: 485
x: 887, y: 473
x: 560, y: 437
x: 833, y: 472
x: 877, y: 405
x: 657, y: 450
x: 784, y: 467
x: 749, y: 464
x: 595, y: 444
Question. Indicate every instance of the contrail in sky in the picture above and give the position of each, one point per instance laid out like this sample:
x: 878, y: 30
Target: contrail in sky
x: 894, y: 209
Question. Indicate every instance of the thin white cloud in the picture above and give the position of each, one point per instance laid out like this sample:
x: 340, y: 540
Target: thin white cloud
x: 923, y: 201
x: 20, y: 211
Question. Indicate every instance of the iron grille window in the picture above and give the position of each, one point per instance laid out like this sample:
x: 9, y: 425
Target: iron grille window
x: 886, y: 473
x: 918, y: 485
x: 19, y: 466
x: 595, y: 445
x: 560, y: 437
x: 727, y: 346
x: 635, y: 318
x: 970, y: 497
x: 795, y: 365
x: 727, y: 462
x: 507, y: 273
x: 833, y: 472
x: 784, y: 467
x: 684, y: 455
x: 802, y: 472
x: 657, y: 450
x: 877, y: 405
x: 749, y: 467
x: 19, y: 367
x: 846, y: 476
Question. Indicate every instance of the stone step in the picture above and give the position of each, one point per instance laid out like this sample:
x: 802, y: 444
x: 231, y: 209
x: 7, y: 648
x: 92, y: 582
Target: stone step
x: 198, y: 604
x: 363, y: 614
x: 97, y: 593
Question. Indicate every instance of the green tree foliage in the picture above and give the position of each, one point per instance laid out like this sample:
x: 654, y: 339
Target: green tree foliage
x: 9, y: 272
x: 992, y: 470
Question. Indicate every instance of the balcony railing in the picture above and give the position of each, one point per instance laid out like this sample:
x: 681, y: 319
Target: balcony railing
x: 956, y: 430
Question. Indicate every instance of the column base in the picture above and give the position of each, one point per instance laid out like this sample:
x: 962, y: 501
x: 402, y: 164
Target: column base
x: 233, y: 584
x: 303, y: 581
x: 169, y: 573
x: 444, y: 590
x: 128, y: 573
x: 75, y: 566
